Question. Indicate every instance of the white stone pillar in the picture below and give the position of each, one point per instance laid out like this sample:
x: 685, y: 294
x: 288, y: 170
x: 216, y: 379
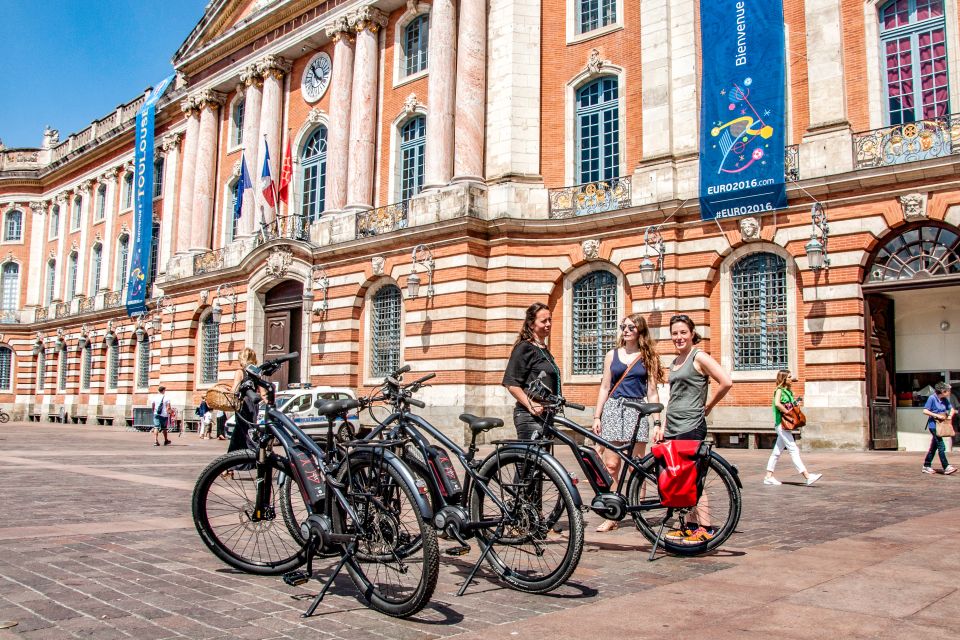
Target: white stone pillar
x: 438, y: 158
x: 272, y: 68
x: 252, y: 104
x: 83, y: 251
x: 205, y: 171
x: 39, y: 210
x: 109, y: 178
x: 187, y: 175
x: 363, y: 107
x: 63, y: 200
x: 170, y: 145
x: 471, y: 90
x: 338, y: 134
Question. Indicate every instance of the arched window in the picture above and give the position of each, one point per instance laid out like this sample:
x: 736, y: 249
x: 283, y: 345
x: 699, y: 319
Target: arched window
x: 413, y: 137
x: 154, y: 259
x: 598, y: 131
x: 759, y: 301
x: 230, y: 220
x: 51, y: 281
x: 10, y: 287
x: 41, y: 370
x: 595, y: 308
x: 13, y: 225
x: 100, y: 204
x: 236, y: 122
x: 913, y: 41
x: 96, y: 267
x: 6, y: 367
x: 123, y: 257
x: 143, y: 362
x: 128, y: 191
x: 158, y: 178
x: 71, y: 276
x: 209, y: 350
x: 54, y: 221
x: 62, y: 370
x: 593, y: 14
x: 86, y: 363
x: 385, y: 331
x: 928, y: 251
x: 415, y: 41
x: 313, y: 159
x: 113, y: 364
x: 75, y: 213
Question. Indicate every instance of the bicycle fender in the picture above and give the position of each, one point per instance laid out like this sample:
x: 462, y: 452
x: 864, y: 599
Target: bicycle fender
x: 731, y: 468
x: 423, y: 501
x: 551, y: 461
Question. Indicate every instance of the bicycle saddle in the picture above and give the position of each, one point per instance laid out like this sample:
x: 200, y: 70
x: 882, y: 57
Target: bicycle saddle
x: 478, y: 425
x: 645, y: 408
x: 331, y: 408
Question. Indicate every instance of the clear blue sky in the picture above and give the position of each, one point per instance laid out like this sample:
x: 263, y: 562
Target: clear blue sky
x: 69, y: 62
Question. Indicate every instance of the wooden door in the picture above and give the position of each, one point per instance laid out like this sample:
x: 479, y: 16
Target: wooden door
x: 277, y: 343
x: 881, y: 371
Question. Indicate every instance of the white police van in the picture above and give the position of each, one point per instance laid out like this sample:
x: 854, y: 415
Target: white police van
x: 300, y: 405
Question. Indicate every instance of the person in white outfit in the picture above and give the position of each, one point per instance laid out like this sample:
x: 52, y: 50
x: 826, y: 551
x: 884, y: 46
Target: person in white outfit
x: 783, y: 396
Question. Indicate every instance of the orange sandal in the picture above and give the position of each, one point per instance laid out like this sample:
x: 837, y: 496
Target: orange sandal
x: 608, y: 525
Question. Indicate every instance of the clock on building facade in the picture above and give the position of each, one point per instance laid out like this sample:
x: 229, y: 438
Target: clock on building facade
x: 316, y: 78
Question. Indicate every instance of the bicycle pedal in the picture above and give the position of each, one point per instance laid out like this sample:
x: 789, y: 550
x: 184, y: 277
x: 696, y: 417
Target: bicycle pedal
x: 457, y: 551
x: 296, y: 578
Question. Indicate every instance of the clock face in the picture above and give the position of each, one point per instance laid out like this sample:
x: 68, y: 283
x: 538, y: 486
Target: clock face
x: 316, y: 77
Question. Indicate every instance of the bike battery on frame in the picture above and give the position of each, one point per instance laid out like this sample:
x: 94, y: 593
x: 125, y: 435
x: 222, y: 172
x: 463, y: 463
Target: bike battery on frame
x: 597, y: 472
x: 443, y: 470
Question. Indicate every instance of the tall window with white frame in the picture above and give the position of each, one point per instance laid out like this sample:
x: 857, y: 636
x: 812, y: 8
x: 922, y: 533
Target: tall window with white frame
x: 595, y: 308
x: 158, y: 178
x: 100, y: 204
x: 236, y: 122
x: 72, y: 261
x: 210, y: 350
x: 128, y: 191
x: 75, y: 213
x: 313, y: 159
x: 6, y: 368
x: 913, y: 42
x: 598, y: 130
x: 415, y: 45
x: 13, y: 226
x: 10, y: 288
x: 113, y: 365
x: 154, y: 265
x: 385, y: 330
x: 54, y: 221
x: 86, y: 363
x: 96, y: 267
x: 594, y: 14
x: 413, y: 141
x: 41, y: 370
x: 123, y: 257
x: 51, y: 281
x: 759, y: 293
x: 143, y: 362
x: 62, y: 370
x: 231, y: 218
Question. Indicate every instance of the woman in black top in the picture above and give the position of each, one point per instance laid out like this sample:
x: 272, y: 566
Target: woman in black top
x: 530, y: 357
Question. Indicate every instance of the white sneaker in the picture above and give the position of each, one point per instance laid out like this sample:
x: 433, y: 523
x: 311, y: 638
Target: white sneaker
x: 813, y: 477
x: 771, y: 480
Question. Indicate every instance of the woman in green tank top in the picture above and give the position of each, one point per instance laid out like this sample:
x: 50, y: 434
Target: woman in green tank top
x: 782, y: 396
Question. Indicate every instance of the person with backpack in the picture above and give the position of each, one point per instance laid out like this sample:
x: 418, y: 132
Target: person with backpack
x: 938, y: 409
x: 161, y: 411
x: 783, y: 401
x: 206, y: 419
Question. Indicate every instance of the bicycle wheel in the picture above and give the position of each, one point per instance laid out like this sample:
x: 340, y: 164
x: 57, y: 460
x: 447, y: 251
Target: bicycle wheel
x: 718, y: 508
x: 4, y: 416
x: 223, y: 502
x: 540, y: 547
x: 293, y: 508
x: 397, y: 561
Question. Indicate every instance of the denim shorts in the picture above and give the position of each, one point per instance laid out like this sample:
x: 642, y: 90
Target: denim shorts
x: 159, y: 423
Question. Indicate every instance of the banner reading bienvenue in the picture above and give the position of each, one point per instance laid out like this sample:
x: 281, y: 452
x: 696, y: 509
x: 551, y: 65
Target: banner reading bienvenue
x: 143, y: 202
x: 742, y: 108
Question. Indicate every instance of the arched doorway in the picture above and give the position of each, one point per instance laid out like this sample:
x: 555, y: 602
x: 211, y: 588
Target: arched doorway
x: 283, y: 327
x: 912, y: 329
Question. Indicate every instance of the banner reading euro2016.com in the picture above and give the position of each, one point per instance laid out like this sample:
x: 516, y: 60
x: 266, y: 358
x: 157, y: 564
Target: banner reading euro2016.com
x: 742, y: 108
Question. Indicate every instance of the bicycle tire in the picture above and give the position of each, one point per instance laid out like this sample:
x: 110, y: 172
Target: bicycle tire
x: 562, y: 535
x: 221, y: 505
x: 721, y: 493
x: 396, y: 534
x: 4, y: 416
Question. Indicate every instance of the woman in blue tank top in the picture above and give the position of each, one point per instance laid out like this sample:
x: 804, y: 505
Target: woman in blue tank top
x: 630, y: 372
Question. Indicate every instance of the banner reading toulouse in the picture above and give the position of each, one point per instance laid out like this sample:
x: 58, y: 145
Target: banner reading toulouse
x: 742, y: 108
x: 143, y: 211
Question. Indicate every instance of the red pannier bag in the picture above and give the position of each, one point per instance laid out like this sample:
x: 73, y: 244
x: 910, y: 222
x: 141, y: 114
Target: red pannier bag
x: 677, y: 477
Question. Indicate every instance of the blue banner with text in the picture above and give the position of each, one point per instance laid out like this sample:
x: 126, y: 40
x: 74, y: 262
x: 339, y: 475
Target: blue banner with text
x: 143, y: 203
x: 742, y: 113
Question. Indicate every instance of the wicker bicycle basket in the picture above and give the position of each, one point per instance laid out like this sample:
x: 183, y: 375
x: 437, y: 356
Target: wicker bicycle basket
x: 221, y: 398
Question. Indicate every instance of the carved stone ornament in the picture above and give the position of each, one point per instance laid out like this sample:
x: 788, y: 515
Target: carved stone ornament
x: 203, y: 296
x: 9, y: 257
x: 594, y: 62
x: 189, y: 106
x: 53, y: 254
x: 591, y: 249
x: 749, y: 229
x: 279, y: 261
x: 411, y: 6
x: 250, y: 75
x: 74, y: 246
x: 411, y: 104
x: 60, y: 333
x: 108, y: 176
x: 236, y: 169
x: 171, y: 141
x: 61, y: 198
x: 368, y: 17
x: 84, y: 187
x: 38, y: 207
x: 98, y: 236
x: 274, y: 65
x: 210, y: 99
x: 315, y: 116
x: 377, y: 263
x: 124, y: 228
x: 914, y: 206
x: 337, y: 28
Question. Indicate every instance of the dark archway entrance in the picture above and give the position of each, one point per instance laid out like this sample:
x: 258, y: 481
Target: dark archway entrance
x: 283, y: 326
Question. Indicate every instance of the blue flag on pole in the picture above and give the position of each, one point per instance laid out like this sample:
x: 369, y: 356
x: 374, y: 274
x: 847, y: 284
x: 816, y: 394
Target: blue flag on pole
x: 242, y: 185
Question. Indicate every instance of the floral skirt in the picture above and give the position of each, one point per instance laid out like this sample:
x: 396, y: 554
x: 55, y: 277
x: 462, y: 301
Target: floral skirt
x: 617, y: 422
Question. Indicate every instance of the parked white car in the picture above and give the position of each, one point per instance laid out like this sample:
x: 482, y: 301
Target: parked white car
x: 300, y: 405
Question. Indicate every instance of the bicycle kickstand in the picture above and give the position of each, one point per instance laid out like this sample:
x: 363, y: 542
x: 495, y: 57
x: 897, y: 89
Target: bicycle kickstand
x: 483, y: 555
x: 348, y: 554
x: 656, y: 542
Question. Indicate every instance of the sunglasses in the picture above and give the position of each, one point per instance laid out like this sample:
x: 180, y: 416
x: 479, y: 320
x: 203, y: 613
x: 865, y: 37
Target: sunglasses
x: 628, y: 327
x: 680, y: 317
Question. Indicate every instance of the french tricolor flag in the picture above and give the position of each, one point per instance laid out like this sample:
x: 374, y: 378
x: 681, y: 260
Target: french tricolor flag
x: 266, y: 181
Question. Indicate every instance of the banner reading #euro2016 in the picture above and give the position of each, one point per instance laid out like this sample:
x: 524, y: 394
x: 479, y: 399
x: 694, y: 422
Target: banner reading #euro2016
x: 742, y: 108
x: 143, y: 202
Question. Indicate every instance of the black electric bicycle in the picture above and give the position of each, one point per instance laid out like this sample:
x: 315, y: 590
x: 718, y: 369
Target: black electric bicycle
x: 505, y: 500
x: 361, y: 503
x: 636, y: 493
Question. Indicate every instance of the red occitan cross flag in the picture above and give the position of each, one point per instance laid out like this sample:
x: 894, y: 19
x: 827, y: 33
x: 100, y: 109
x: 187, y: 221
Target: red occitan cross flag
x: 286, y: 174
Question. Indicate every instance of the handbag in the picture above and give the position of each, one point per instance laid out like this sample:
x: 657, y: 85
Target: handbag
x: 793, y: 417
x: 945, y: 429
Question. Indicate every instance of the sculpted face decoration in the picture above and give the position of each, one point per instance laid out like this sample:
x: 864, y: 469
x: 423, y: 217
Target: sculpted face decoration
x: 749, y: 229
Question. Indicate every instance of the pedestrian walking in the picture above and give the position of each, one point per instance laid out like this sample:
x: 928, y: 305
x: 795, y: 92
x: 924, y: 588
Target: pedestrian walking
x: 938, y: 411
x: 206, y: 419
x: 783, y: 396
x: 161, y: 412
x: 529, y: 358
x: 633, y: 368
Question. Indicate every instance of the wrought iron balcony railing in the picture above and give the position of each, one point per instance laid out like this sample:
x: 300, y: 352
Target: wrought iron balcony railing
x: 62, y: 310
x: 113, y: 299
x: 382, y: 220
x: 293, y: 227
x: 593, y: 197
x: 208, y: 261
x: 909, y: 142
x: 9, y: 316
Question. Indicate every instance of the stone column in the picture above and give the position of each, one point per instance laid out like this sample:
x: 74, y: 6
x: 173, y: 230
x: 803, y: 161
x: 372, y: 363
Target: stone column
x: 187, y: 174
x: 205, y: 171
x: 338, y: 134
x: 59, y: 286
x: 39, y: 210
x: 252, y: 104
x: 442, y: 87
x: 471, y: 91
x: 109, y: 178
x: 363, y: 107
x: 83, y: 251
x: 272, y: 68
x: 170, y: 144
